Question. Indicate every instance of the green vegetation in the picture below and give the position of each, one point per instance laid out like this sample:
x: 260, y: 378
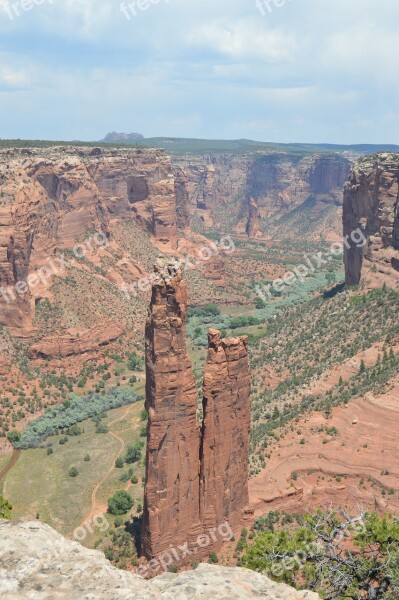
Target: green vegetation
x: 133, y: 453
x: 120, y: 503
x: 73, y: 411
x: 39, y: 483
x: 5, y: 508
x: 317, y: 554
x: 304, y: 342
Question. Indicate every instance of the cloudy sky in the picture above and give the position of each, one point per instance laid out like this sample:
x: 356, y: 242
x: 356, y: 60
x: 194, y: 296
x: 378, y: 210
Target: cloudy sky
x: 284, y: 71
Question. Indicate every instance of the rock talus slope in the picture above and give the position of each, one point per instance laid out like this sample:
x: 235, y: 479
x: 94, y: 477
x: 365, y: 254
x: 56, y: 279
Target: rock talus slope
x: 37, y: 563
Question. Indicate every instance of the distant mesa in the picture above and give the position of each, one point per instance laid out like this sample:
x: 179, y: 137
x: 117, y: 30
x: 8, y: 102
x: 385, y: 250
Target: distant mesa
x: 122, y: 137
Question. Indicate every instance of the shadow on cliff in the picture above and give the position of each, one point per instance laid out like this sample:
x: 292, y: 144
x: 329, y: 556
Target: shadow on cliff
x: 134, y: 528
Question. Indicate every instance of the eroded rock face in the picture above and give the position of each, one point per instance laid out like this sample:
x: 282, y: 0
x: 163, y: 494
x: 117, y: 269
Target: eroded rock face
x: 51, y: 198
x: 171, y: 504
x: 225, y: 435
x: 196, y: 479
x: 37, y: 562
x: 92, y: 339
x: 253, y: 225
x: 281, y: 182
x: 371, y: 221
x: 220, y: 188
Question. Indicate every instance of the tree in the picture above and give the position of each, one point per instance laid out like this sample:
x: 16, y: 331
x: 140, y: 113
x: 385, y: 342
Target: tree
x: 5, y: 508
x: 119, y: 463
x: 133, y: 453
x: 73, y: 472
x: 120, y: 503
x: 13, y: 437
x: 319, y: 556
x: 259, y: 303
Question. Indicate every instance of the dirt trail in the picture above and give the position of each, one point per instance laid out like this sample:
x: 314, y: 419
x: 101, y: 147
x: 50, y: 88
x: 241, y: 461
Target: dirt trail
x: 95, y: 508
x: 13, y: 460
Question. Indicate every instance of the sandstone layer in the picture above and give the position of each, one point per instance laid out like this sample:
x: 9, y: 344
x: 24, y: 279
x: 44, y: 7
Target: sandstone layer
x: 221, y: 189
x: 225, y: 435
x: 37, y: 562
x: 196, y: 478
x: 371, y: 205
x: 87, y: 341
x: 53, y: 198
x: 171, y: 505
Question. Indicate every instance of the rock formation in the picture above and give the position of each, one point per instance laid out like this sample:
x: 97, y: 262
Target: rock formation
x: 114, y: 136
x: 51, y: 198
x: 91, y: 339
x: 196, y: 479
x: 371, y: 215
x: 253, y: 225
x: 220, y: 187
x: 37, y: 562
x: 171, y: 505
x: 225, y: 435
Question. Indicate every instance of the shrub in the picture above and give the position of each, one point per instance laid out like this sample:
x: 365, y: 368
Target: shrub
x: 120, y: 503
x: 73, y: 472
x: 213, y: 558
x: 74, y: 410
x: 5, y: 508
x: 133, y: 453
x: 119, y: 463
x: 14, y: 437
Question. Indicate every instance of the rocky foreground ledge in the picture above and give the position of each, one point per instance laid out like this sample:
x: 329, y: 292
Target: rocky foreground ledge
x: 37, y: 563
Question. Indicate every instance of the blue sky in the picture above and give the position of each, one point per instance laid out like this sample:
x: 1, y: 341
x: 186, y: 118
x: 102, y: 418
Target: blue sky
x: 289, y: 71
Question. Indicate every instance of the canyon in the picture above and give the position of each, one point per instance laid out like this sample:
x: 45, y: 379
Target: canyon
x: 323, y: 378
x: 196, y: 476
x: 52, y: 198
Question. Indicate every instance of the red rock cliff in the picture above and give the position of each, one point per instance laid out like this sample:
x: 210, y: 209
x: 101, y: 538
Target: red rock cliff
x: 50, y: 198
x: 171, y: 505
x: 371, y: 221
x: 225, y: 435
x: 196, y: 479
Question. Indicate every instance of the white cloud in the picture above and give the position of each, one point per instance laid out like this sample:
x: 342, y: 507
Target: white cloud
x: 244, y: 40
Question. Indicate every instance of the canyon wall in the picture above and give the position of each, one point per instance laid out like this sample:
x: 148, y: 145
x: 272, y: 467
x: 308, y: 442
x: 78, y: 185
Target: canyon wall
x: 51, y: 198
x: 196, y: 478
x: 223, y: 189
x: 371, y: 205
